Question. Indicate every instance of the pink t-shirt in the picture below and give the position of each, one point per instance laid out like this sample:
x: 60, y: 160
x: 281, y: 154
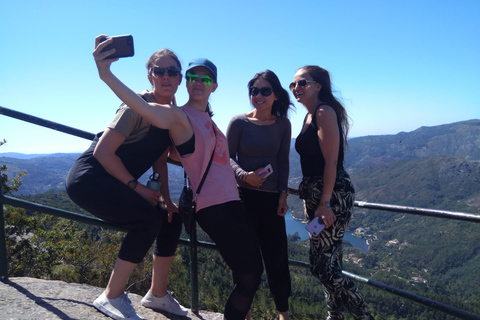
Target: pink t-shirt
x: 220, y: 185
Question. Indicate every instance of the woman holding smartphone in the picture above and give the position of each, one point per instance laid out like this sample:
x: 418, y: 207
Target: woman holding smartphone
x: 219, y: 211
x: 103, y: 181
x: 326, y: 187
x: 259, y: 144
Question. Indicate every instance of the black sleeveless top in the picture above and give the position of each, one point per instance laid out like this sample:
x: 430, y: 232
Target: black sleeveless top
x: 308, y: 147
x: 137, y: 156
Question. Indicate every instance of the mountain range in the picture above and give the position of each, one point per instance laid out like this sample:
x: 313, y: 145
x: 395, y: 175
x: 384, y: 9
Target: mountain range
x: 434, y: 167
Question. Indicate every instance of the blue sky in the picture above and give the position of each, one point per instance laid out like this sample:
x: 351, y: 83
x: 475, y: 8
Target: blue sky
x: 398, y: 64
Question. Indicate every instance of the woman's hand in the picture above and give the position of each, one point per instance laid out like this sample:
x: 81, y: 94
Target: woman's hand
x: 326, y: 214
x: 171, y: 208
x: 254, y: 179
x: 103, y: 64
x: 151, y: 196
x: 282, y: 205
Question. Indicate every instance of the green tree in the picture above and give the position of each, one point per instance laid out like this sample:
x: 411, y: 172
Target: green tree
x: 16, y: 181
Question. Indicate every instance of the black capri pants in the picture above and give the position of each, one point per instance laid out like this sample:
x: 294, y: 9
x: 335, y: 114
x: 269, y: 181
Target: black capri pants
x: 108, y: 199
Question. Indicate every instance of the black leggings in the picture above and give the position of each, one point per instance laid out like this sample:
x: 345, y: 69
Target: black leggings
x: 108, y: 199
x: 227, y: 227
x: 270, y: 228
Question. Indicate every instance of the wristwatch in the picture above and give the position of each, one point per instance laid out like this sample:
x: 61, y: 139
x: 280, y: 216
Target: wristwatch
x: 132, y: 184
x: 326, y: 204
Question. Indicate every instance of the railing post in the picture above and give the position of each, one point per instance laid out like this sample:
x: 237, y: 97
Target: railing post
x: 3, y: 242
x: 194, y: 268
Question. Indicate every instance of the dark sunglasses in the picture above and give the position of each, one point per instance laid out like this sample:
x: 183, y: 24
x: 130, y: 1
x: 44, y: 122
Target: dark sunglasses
x: 265, y: 91
x: 160, y: 72
x: 206, y: 79
x: 300, y: 83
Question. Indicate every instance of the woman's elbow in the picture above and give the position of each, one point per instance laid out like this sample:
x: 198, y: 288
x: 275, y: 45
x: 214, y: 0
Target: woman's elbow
x: 100, y: 154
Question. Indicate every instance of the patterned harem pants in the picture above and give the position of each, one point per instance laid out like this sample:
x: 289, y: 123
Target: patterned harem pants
x: 326, y: 248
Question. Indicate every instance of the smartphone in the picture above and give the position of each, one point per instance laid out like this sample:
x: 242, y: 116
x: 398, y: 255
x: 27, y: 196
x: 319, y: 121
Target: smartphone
x: 123, y: 46
x: 315, y: 226
x: 268, y: 169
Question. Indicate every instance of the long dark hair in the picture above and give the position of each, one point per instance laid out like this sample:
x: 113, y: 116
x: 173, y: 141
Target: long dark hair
x: 282, y: 104
x: 322, y: 76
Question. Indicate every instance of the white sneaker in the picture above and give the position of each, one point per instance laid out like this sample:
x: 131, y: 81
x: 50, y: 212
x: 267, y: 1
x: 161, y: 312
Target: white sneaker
x: 119, y: 308
x: 166, y: 303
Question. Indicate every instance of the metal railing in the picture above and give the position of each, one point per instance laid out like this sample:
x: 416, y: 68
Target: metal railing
x: 193, y: 243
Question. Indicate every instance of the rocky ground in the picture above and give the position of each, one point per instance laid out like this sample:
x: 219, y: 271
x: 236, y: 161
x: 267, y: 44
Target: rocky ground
x: 32, y: 299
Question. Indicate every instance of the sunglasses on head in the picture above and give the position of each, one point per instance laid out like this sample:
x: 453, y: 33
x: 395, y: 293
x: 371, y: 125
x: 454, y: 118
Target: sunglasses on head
x: 265, y: 91
x: 300, y: 83
x: 160, y: 72
x: 206, y: 79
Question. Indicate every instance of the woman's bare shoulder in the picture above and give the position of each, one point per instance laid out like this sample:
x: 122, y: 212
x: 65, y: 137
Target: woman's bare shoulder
x: 325, y: 111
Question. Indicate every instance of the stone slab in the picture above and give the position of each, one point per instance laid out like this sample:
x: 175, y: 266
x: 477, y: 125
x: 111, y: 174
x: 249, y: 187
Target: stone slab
x: 25, y: 298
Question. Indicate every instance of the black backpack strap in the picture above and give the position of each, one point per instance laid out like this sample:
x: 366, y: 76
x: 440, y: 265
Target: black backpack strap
x: 200, y: 185
x: 205, y: 174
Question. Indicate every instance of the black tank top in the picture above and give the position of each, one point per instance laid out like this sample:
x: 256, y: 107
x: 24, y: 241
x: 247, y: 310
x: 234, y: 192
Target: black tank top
x: 308, y: 147
x: 137, y: 156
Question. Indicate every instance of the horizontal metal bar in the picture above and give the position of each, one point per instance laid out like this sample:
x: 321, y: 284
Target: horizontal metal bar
x: 470, y: 217
x: 202, y: 244
x: 453, y: 215
x: 46, y: 123
x: 416, y: 298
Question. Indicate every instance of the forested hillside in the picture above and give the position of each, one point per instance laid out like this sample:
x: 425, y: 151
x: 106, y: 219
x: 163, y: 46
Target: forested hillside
x: 440, y: 182
x: 44, y: 172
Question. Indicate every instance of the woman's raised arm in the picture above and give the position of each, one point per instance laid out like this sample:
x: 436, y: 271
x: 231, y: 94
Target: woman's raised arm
x: 162, y: 116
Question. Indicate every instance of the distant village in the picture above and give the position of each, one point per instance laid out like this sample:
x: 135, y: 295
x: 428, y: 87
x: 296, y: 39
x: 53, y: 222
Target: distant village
x: 363, y: 233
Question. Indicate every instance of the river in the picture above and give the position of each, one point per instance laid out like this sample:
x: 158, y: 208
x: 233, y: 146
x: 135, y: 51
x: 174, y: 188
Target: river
x: 297, y: 226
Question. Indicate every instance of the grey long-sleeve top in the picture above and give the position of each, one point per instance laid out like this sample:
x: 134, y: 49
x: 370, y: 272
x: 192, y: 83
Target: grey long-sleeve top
x: 253, y: 146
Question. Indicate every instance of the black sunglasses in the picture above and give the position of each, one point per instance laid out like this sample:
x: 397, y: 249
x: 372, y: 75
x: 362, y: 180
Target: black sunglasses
x: 265, y: 91
x: 300, y: 83
x: 160, y: 72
